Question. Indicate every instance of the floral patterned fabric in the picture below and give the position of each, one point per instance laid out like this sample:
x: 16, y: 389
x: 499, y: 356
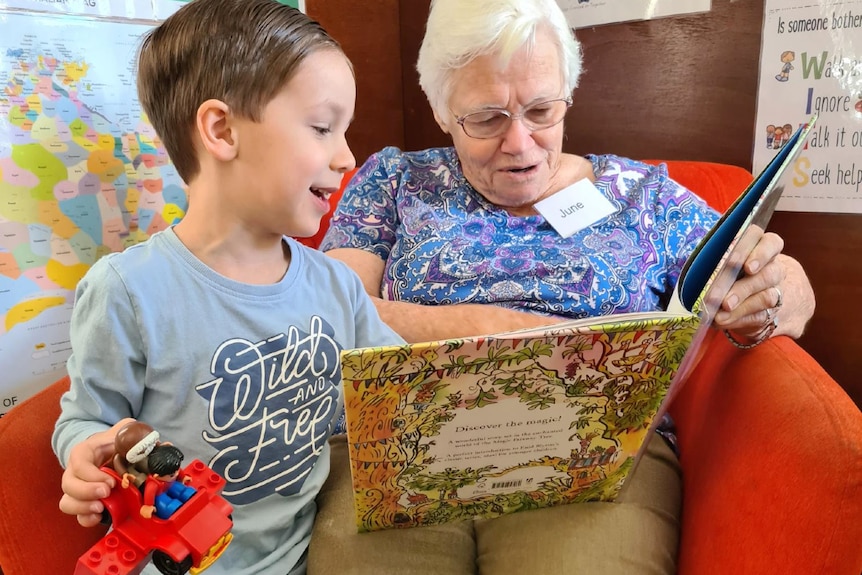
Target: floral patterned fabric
x: 443, y: 243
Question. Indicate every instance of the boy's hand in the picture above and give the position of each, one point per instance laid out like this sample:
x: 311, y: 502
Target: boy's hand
x: 84, y: 484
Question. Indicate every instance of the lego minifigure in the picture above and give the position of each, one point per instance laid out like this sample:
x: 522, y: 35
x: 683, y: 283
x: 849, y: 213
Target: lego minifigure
x: 165, y: 488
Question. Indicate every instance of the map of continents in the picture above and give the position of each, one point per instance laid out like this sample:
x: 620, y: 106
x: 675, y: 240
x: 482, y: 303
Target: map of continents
x: 82, y: 174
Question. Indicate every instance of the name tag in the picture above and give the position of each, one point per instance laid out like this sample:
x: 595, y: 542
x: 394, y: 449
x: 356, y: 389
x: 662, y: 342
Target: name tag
x: 574, y: 208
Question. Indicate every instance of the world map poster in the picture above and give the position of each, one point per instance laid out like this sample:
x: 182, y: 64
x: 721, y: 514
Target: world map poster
x: 82, y: 174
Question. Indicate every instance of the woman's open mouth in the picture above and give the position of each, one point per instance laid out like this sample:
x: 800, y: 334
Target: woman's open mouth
x: 523, y: 170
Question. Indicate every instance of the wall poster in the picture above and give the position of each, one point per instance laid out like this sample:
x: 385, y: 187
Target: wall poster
x: 811, y: 63
x: 82, y: 172
x: 587, y: 13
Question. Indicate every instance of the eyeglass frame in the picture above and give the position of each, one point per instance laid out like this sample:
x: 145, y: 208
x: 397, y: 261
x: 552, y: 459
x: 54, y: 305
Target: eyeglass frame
x: 512, y: 117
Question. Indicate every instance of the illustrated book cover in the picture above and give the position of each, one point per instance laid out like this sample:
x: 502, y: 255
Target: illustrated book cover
x: 487, y: 425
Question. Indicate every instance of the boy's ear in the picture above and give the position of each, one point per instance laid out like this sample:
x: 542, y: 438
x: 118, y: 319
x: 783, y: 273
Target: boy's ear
x: 216, y: 130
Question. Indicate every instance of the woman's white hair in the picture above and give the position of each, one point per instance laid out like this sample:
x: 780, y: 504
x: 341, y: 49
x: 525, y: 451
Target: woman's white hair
x: 459, y: 31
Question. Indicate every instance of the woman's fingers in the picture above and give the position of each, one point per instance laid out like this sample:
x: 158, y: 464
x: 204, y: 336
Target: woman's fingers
x: 750, y: 296
x: 752, y: 303
x: 766, y: 250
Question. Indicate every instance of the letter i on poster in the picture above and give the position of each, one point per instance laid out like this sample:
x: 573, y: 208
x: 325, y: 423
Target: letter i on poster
x: 811, y: 63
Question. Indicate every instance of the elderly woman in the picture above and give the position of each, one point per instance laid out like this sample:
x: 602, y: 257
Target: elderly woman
x: 450, y: 243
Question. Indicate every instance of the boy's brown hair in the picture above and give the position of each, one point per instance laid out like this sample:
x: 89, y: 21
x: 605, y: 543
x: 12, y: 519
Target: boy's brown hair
x: 241, y: 52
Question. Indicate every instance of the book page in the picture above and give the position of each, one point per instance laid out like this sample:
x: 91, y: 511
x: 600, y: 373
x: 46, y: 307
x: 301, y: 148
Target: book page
x: 596, y: 324
x: 479, y: 427
x: 717, y: 260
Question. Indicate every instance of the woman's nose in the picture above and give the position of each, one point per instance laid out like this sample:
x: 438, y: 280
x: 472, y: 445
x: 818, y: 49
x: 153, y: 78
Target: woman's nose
x: 517, y: 137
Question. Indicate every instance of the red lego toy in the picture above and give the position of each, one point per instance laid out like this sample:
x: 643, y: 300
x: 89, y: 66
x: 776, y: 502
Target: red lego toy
x: 189, y: 541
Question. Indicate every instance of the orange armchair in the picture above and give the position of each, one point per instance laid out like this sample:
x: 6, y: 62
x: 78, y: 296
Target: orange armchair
x: 770, y: 446
x: 35, y: 537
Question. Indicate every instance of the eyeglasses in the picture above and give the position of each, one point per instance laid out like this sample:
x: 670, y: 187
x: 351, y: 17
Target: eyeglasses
x: 492, y: 123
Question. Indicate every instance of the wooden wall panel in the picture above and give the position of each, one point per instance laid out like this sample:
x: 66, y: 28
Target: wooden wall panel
x: 685, y: 88
x: 369, y: 32
x: 674, y: 88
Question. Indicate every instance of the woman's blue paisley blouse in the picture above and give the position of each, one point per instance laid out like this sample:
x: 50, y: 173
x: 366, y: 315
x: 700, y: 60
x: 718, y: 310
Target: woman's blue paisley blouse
x: 443, y: 243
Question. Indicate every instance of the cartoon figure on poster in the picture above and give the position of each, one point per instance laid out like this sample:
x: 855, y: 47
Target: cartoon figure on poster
x: 778, y: 136
x: 786, y: 58
x: 786, y: 132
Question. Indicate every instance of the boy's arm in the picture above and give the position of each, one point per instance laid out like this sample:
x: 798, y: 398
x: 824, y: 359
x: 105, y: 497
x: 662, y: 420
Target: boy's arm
x: 103, y: 396
x: 371, y: 330
x: 106, y: 366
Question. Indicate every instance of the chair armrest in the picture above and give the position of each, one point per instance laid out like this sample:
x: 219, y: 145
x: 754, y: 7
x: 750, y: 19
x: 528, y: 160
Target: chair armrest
x: 771, y: 452
x: 35, y: 536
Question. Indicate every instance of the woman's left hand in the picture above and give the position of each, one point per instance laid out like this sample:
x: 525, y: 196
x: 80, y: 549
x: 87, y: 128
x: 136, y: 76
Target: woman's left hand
x: 774, y: 290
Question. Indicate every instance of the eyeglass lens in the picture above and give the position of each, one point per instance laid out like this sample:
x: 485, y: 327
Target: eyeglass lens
x: 491, y: 123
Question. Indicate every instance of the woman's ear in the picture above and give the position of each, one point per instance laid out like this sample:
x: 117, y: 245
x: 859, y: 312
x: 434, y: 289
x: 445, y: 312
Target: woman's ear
x: 441, y: 123
x: 216, y: 130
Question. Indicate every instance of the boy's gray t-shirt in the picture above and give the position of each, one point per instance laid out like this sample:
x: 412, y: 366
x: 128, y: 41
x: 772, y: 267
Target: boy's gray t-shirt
x: 244, y: 377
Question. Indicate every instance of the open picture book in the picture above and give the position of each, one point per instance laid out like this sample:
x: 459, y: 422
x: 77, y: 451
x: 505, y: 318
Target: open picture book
x: 487, y: 425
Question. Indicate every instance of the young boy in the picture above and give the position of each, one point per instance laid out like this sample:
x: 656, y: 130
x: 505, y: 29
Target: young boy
x: 222, y: 332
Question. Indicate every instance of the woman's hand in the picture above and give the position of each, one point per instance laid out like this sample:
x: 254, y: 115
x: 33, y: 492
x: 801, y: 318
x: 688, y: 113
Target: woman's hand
x: 773, y: 291
x: 84, y: 484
